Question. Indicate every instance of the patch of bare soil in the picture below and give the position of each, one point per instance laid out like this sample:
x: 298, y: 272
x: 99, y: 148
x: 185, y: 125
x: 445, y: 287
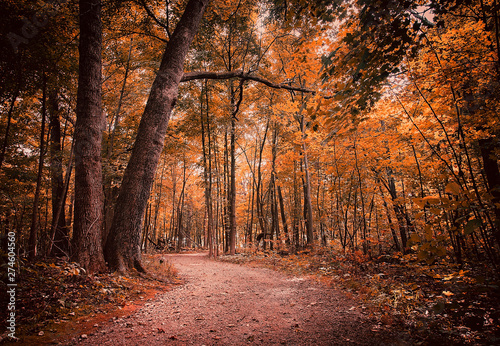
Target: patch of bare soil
x: 229, y: 304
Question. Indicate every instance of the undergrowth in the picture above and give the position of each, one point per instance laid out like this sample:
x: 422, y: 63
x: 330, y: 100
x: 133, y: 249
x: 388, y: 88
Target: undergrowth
x: 55, y: 293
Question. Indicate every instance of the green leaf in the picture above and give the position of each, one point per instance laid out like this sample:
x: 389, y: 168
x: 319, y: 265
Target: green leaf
x: 471, y: 226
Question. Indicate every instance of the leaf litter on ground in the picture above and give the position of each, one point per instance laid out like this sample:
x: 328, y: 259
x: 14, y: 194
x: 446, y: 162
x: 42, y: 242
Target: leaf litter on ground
x: 58, y: 300
x: 435, y: 303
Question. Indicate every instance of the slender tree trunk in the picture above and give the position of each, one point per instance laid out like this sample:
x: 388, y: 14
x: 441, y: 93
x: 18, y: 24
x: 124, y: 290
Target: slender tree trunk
x: 7, y: 128
x: 180, y: 209
x: 398, y: 211
x: 307, y: 189
x: 296, y: 210
x: 283, y: 216
x: 259, y: 198
x: 361, y: 196
x: 110, y: 192
x: 89, y: 196
x: 123, y: 244
x: 207, y: 174
x: 158, y: 200
x: 389, y: 219
x: 62, y: 202
x: 227, y: 193
x: 205, y: 177
x: 116, y: 122
x: 272, y: 190
x: 213, y: 228
x: 492, y: 173
x: 218, y: 214
x: 60, y: 244
x: 145, y: 233
x: 35, y: 226
x: 174, y: 193
x: 232, y: 175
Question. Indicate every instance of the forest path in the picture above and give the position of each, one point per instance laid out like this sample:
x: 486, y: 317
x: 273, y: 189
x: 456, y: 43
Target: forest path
x: 228, y: 304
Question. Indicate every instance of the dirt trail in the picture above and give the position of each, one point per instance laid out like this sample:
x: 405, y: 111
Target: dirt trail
x: 227, y: 304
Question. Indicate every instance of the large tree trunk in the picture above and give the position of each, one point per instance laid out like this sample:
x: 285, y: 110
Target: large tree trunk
x: 123, y: 243
x: 89, y: 199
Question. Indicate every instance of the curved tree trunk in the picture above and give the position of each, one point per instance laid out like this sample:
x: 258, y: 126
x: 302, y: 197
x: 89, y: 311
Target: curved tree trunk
x: 123, y: 244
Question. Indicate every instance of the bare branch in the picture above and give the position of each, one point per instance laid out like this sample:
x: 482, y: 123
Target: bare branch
x: 189, y: 76
x: 152, y: 15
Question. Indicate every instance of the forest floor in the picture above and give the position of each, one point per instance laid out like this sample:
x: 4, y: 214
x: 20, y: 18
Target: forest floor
x: 428, y: 304
x: 57, y: 301
x: 259, y: 298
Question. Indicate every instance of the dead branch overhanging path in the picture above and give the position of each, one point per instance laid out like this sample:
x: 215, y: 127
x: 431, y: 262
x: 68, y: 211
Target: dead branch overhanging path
x: 189, y: 76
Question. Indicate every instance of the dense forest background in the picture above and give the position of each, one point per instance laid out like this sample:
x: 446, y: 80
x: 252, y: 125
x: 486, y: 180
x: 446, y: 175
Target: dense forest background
x: 354, y: 141
x: 362, y: 126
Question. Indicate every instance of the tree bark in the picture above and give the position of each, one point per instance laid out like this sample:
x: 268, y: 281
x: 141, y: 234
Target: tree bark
x: 109, y: 191
x: 275, y: 230
x: 62, y: 202
x: 60, y: 247
x: 243, y: 76
x: 296, y: 212
x: 307, y: 189
x: 123, y: 244
x: 89, y: 197
x: 33, y: 239
x: 258, y: 191
x: 180, y: 210
x: 492, y: 173
x: 207, y: 172
x: 158, y: 199
x: 7, y: 128
x: 283, y: 216
x: 232, y: 189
